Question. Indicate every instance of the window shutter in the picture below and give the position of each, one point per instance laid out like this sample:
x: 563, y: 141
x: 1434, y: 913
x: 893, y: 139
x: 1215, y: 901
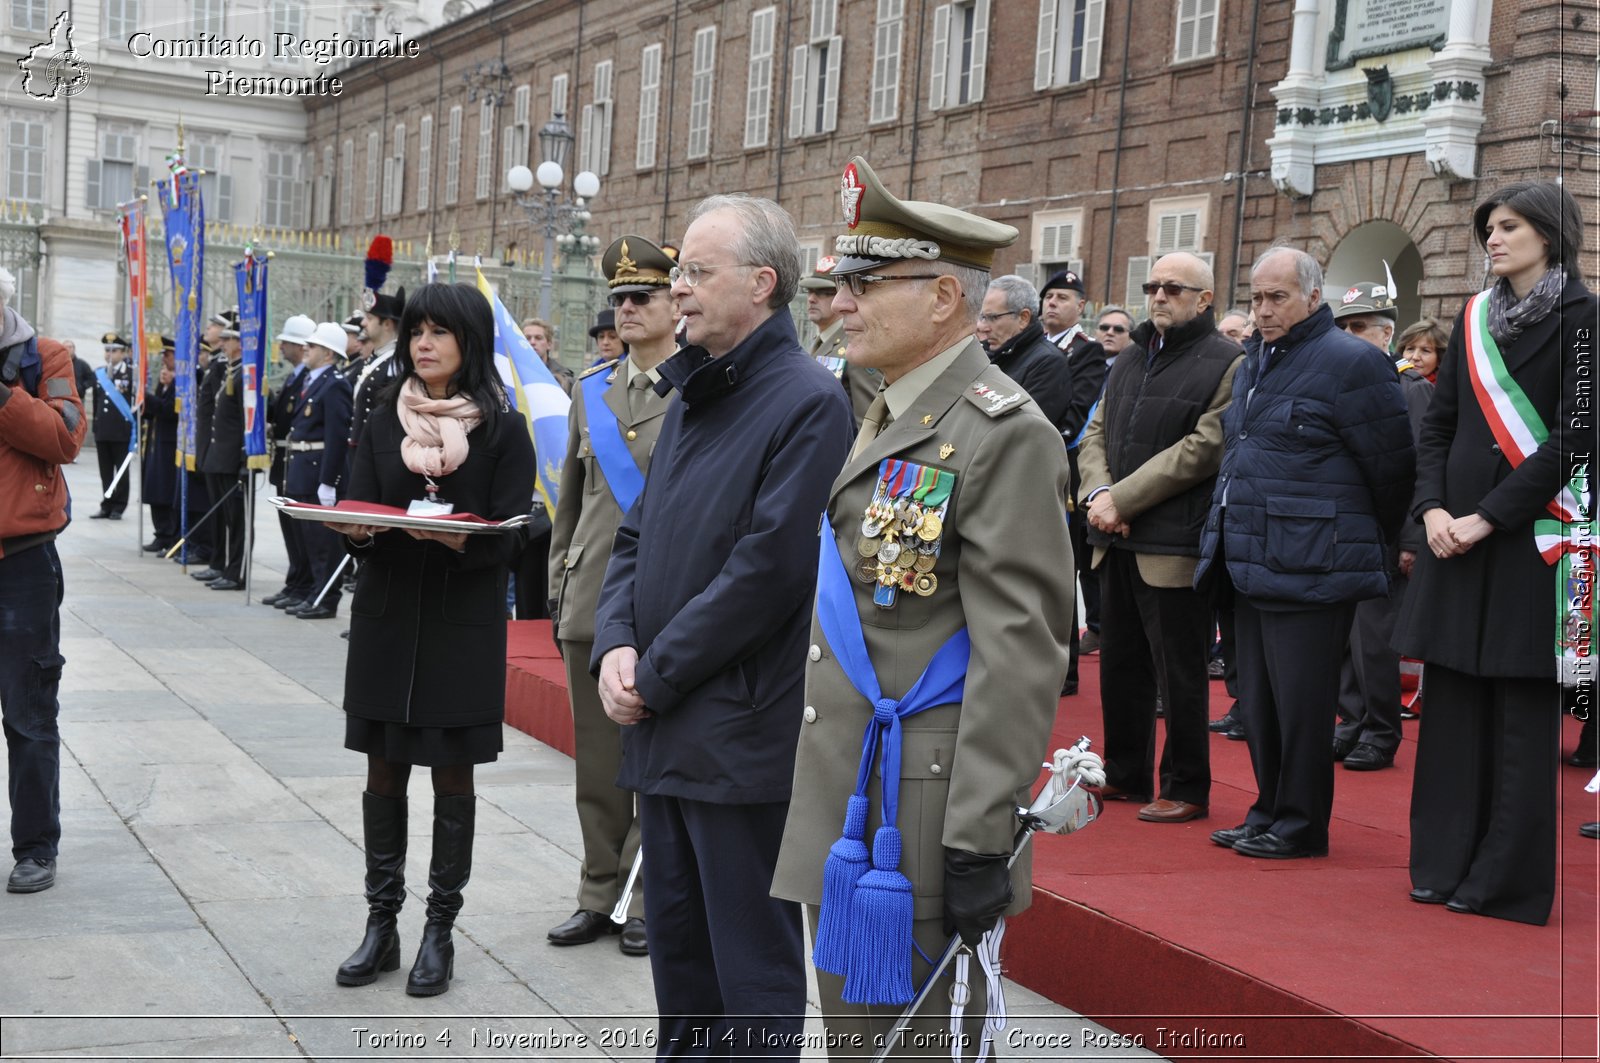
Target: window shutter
x: 1186, y: 28
x: 141, y: 180
x: 1075, y: 265
x: 1055, y: 242
x: 1138, y: 273
x: 222, y: 210
x: 92, y: 185
x: 830, y: 97
x: 797, y: 90
x: 1188, y: 225
x: 605, y: 139
x: 1044, y: 57
x: 558, y: 95
x: 980, y: 48
x: 586, y: 139
x: 1093, y: 34
x: 520, y: 106
x: 1028, y: 271
x: 941, y: 57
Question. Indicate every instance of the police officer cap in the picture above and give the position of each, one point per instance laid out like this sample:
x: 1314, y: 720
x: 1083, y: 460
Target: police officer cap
x: 384, y: 305
x: 168, y: 343
x: 604, y: 321
x: 329, y: 334
x: 884, y: 228
x: 634, y: 264
x: 821, y: 279
x: 297, y: 329
x: 229, y: 320
x: 352, y: 324
x: 1366, y: 297
x: 1065, y: 279
x: 114, y: 342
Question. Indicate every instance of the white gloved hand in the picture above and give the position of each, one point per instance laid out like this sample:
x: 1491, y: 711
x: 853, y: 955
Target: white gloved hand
x: 326, y: 495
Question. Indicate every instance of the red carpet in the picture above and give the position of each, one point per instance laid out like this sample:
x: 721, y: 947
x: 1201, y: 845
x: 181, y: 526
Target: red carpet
x: 1153, y: 931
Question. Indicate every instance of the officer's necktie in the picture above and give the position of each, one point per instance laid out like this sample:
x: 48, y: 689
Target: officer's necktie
x: 876, y: 419
x: 638, y: 389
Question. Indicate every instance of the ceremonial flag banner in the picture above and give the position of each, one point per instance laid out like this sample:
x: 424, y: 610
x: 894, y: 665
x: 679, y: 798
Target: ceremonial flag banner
x: 186, y: 237
x: 251, y: 277
x: 133, y: 248
x: 534, y: 393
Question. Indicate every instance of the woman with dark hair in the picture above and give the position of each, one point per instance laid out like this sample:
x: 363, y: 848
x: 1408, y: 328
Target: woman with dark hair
x: 425, y: 682
x: 1503, y: 447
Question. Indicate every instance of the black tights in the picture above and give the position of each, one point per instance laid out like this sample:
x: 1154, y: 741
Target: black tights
x: 388, y: 778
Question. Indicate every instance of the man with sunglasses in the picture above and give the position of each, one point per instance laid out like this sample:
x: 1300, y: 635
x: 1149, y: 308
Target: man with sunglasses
x: 1149, y: 459
x: 1115, y: 329
x: 611, y: 429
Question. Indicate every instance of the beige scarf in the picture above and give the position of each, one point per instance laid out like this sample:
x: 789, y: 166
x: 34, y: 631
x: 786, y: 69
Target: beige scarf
x: 436, y: 430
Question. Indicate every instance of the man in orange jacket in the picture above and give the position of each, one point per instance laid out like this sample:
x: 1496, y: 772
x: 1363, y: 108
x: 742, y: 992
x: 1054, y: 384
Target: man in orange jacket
x: 41, y: 428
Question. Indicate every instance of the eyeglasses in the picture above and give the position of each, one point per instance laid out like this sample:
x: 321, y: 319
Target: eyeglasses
x: 636, y: 298
x: 989, y: 319
x: 859, y: 282
x: 1358, y: 327
x: 1118, y: 329
x: 692, y: 273
x: 1172, y: 288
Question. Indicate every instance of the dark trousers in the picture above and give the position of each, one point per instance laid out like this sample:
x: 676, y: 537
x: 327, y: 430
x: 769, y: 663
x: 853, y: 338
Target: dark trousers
x: 30, y: 674
x: 1369, y: 680
x: 322, y: 550
x: 300, y: 578
x: 1288, y: 693
x: 532, y: 571
x: 728, y: 959
x: 110, y: 453
x: 1483, y: 797
x: 227, y: 525
x: 164, y: 524
x: 1083, y: 557
x: 1226, y: 647
x: 1153, y: 639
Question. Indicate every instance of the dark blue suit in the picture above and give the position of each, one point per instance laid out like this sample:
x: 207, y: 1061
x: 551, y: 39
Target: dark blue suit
x: 320, y: 413
x: 297, y: 581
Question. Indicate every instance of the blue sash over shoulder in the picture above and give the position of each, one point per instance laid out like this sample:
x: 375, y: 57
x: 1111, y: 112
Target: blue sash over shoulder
x: 864, y: 929
x: 605, y: 437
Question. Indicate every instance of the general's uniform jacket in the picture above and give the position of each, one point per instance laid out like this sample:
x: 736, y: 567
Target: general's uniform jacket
x: 860, y: 383
x: 585, y: 523
x: 109, y: 424
x: 320, y: 414
x: 1005, y: 571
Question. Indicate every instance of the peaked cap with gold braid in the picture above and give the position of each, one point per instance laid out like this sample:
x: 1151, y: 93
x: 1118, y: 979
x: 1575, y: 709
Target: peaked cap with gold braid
x: 884, y: 228
x: 634, y: 264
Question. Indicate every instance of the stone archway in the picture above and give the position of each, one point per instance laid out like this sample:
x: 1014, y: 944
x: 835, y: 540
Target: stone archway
x: 1360, y: 257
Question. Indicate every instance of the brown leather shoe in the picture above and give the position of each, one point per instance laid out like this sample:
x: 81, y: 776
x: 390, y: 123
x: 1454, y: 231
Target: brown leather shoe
x: 1163, y: 811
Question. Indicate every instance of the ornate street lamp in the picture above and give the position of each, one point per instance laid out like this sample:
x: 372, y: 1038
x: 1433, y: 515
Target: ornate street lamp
x: 562, y: 221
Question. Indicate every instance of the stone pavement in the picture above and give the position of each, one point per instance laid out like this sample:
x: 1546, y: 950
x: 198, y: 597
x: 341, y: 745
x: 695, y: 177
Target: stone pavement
x: 210, y: 873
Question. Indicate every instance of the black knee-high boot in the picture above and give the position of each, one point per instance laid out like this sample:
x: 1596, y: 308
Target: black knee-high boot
x: 453, y: 819
x: 383, y: 827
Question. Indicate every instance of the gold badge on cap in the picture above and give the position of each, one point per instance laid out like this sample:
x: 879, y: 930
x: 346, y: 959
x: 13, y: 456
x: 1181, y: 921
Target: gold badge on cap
x: 850, y: 190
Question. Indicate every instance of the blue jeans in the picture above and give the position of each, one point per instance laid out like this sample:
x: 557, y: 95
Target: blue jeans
x: 30, y: 674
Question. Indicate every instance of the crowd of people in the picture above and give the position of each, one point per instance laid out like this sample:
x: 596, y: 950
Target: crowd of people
x: 783, y: 723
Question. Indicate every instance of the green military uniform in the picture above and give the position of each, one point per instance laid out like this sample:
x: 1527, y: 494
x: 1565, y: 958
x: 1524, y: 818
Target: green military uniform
x: 585, y: 523
x: 1002, y: 571
x: 860, y: 383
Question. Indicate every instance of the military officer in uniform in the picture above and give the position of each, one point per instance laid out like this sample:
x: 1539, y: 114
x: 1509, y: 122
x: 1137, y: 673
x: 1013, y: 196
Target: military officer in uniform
x: 612, y: 428
x: 112, y: 427
x: 319, y: 426
x: 945, y: 556
x: 381, y: 323
x: 860, y: 382
x: 292, y: 342
x: 223, y: 463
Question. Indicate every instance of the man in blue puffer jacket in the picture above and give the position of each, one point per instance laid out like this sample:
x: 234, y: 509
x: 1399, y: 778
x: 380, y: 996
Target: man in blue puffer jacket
x: 1317, y: 471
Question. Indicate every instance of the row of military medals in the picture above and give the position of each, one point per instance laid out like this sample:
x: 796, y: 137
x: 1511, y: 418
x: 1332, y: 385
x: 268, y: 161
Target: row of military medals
x: 901, y: 530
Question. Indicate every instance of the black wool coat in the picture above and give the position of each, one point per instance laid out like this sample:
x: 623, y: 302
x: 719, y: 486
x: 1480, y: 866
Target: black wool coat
x: 1492, y: 610
x: 161, y: 446
x: 428, y: 624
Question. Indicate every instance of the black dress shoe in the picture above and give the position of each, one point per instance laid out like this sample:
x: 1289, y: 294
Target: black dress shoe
x: 1589, y: 830
x: 1366, y: 757
x: 1222, y: 723
x: 1234, y: 835
x: 155, y: 546
x: 225, y: 584
x: 582, y: 928
x: 633, y: 941
x: 114, y: 516
x: 1069, y: 688
x: 1342, y: 747
x: 320, y: 612
x: 1423, y: 895
x: 289, y: 605
x: 1236, y: 733
x: 1583, y: 758
x: 1455, y: 904
x: 1271, y: 847
x: 206, y: 575
x: 31, y: 875
x: 274, y: 599
x: 102, y: 515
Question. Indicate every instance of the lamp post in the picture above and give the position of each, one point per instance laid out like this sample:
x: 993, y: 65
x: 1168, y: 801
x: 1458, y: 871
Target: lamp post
x: 561, y: 221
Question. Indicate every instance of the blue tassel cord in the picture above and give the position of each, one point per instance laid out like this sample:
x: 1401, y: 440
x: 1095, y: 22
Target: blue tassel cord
x: 847, y: 862
x: 880, y: 930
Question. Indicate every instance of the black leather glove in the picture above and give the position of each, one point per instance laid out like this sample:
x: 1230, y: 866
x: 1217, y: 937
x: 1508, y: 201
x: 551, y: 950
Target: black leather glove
x: 977, y: 892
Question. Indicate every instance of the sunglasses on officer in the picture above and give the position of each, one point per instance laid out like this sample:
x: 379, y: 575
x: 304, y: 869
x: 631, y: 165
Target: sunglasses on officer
x: 1106, y: 326
x: 1172, y: 288
x: 636, y: 298
x: 1358, y: 326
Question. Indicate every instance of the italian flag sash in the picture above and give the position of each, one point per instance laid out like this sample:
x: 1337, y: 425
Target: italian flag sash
x: 1566, y: 539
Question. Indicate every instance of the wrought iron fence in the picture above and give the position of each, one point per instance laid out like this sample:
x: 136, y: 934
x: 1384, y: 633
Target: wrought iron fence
x: 20, y: 252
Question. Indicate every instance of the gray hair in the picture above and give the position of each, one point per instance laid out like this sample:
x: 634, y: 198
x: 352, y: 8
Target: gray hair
x: 8, y: 286
x: 974, y: 286
x: 766, y: 238
x: 1113, y: 308
x: 1019, y: 294
x: 1242, y: 315
x: 1308, y: 273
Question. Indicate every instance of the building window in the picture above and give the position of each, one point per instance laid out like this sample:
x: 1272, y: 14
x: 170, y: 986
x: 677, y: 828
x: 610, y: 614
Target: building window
x: 208, y: 17
x: 886, y: 44
x: 324, y: 207
x: 281, y: 186
x: 216, y: 186
x: 394, y: 172
x: 25, y: 155
x: 1068, y: 49
x: 424, y: 160
x: 515, y: 136
x: 700, y: 84
x: 758, y: 95
x: 374, y: 158
x: 960, y: 45
x: 485, y: 183
x: 1055, y: 239
x: 452, y: 156
x: 116, y: 174
x: 30, y: 15
x: 814, y: 77
x: 558, y: 96
x: 347, y: 179
x: 1197, y: 29
x: 644, y: 155
x: 288, y: 16
x: 362, y: 23
x: 122, y: 19
x: 594, y: 154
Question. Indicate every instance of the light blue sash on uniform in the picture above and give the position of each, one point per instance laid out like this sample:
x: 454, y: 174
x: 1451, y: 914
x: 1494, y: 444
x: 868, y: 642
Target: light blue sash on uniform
x: 864, y: 929
x: 112, y: 392
x: 610, y: 449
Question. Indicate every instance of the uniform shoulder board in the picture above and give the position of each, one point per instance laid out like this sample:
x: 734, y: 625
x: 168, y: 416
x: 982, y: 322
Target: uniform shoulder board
x: 602, y: 367
x: 995, y: 394
x: 1402, y: 365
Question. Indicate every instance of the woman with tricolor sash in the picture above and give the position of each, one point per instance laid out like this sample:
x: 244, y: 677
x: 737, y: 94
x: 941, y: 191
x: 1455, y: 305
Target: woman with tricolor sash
x: 1500, y: 608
